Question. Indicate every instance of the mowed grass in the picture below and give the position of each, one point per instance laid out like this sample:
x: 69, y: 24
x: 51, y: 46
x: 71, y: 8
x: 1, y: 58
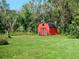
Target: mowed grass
x: 40, y: 47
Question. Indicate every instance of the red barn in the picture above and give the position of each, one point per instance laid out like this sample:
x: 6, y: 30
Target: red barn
x: 47, y: 29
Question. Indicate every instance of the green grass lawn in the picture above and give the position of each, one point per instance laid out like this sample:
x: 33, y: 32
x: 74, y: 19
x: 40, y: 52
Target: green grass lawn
x: 39, y: 47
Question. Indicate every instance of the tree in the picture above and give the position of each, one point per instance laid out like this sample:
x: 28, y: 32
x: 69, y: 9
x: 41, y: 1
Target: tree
x: 8, y: 17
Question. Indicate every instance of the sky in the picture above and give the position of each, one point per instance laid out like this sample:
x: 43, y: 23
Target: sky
x: 16, y: 4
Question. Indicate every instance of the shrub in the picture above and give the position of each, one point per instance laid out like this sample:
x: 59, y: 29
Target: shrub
x: 73, y: 28
x: 3, y: 42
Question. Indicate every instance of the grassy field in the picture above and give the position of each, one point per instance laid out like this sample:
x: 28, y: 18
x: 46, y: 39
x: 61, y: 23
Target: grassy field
x: 39, y: 47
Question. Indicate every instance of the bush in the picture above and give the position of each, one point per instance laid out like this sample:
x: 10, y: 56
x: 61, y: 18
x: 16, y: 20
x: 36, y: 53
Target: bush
x: 3, y: 42
x: 71, y: 28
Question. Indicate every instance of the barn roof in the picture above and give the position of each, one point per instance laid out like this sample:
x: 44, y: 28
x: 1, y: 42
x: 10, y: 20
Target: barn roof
x: 51, y: 24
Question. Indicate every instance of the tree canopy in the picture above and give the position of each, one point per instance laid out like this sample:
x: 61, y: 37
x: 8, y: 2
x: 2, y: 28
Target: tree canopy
x: 65, y: 13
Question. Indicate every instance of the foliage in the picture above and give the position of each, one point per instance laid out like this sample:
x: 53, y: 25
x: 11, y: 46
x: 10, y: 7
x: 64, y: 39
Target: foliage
x: 74, y: 27
x: 64, y: 13
x: 3, y: 41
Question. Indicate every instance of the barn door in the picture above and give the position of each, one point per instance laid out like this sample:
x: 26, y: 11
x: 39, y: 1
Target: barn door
x: 44, y: 31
